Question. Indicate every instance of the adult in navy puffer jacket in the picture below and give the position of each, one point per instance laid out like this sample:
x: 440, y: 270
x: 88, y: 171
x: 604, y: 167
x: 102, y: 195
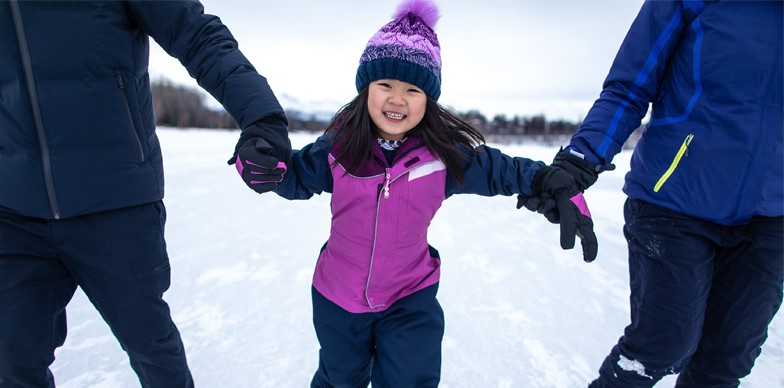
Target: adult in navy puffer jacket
x: 82, y: 174
x: 705, y: 190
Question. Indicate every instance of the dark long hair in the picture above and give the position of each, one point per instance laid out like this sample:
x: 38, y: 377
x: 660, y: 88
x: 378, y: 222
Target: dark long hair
x: 443, y: 133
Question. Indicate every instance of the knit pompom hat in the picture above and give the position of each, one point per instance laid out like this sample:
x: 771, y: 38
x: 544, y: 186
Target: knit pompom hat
x: 406, y: 49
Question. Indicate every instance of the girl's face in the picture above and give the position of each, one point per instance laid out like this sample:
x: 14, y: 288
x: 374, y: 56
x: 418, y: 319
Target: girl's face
x: 395, y: 107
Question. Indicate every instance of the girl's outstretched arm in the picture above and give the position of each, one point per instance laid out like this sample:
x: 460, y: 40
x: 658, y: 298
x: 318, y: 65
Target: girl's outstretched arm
x: 491, y: 172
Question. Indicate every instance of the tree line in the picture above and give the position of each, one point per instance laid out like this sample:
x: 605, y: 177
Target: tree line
x: 185, y: 107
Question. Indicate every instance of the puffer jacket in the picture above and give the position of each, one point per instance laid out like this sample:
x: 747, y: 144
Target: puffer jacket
x: 77, y: 129
x: 713, y: 72
x: 377, y: 250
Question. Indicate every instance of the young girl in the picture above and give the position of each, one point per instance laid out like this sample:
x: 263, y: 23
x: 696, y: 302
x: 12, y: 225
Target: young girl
x: 389, y: 158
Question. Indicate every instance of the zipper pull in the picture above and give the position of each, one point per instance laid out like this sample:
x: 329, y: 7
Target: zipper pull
x: 386, y: 185
x: 120, y: 82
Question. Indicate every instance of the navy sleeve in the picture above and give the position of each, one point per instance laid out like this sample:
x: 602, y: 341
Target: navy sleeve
x: 634, y: 78
x: 309, y: 172
x: 208, y: 50
x: 491, y: 172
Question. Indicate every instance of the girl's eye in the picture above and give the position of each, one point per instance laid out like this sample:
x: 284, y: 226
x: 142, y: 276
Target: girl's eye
x: 384, y: 84
x: 414, y: 91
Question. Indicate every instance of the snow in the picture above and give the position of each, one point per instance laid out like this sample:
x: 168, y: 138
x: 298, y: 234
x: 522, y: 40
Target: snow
x: 520, y: 312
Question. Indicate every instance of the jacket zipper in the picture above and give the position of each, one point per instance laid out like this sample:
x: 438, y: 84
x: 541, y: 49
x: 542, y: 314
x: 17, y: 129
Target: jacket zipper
x: 24, y: 51
x: 388, y: 177
x: 681, y: 152
x: 385, y: 190
x: 386, y: 182
x: 372, y: 259
x: 134, y: 133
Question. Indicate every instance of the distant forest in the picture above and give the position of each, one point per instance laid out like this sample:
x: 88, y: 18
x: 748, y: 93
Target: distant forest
x: 185, y: 107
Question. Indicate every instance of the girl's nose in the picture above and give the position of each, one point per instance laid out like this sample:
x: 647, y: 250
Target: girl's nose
x: 396, y: 98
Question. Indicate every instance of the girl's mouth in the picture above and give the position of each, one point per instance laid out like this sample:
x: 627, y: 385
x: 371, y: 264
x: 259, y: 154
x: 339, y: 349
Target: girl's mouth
x: 394, y: 115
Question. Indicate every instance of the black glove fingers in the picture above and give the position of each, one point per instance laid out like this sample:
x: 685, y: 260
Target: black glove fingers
x: 588, y: 242
x: 274, y: 175
x: 261, y: 174
x: 271, y: 172
x: 568, y: 221
x: 263, y: 186
x: 553, y: 216
x: 530, y: 203
x: 264, y: 161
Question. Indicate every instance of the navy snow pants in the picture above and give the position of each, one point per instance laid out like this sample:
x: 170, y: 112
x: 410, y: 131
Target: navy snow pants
x: 702, y: 297
x: 398, y: 347
x: 119, y: 260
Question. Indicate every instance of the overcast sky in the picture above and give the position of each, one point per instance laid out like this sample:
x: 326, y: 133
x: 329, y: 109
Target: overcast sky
x: 516, y: 57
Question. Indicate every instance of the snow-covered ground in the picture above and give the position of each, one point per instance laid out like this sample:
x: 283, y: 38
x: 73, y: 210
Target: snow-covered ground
x: 520, y: 312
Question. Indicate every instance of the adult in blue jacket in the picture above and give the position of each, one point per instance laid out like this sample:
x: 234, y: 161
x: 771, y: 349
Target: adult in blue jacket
x: 705, y: 190
x: 82, y: 175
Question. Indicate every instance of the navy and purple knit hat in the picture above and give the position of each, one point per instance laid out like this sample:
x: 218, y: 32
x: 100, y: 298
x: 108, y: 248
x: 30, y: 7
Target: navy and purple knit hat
x: 406, y: 49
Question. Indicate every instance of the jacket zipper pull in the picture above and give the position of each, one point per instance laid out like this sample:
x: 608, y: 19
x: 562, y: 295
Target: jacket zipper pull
x: 386, y: 184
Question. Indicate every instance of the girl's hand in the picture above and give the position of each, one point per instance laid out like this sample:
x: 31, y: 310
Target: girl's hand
x: 258, y: 166
x: 575, y: 220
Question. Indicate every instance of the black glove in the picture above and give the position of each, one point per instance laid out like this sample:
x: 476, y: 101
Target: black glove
x: 574, y: 164
x: 575, y: 220
x: 258, y: 166
x: 543, y: 203
x: 262, y: 152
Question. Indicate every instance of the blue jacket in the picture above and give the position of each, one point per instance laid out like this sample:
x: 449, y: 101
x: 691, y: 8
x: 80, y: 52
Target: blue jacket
x: 84, y: 140
x: 377, y: 250
x: 713, y: 72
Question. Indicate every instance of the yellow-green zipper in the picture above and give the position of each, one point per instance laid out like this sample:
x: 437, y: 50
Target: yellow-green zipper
x: 678, y: 156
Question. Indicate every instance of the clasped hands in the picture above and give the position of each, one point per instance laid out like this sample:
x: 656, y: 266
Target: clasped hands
x: 260, y: 164
x: 557, y: 194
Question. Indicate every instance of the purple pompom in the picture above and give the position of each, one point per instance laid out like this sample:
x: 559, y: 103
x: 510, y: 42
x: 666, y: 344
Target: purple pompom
x: 423, y: 9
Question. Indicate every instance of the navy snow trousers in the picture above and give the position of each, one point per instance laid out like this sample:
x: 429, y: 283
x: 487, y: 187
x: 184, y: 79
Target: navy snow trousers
x: 702, y: 296
x: 119, y: 260
x: 398, y: 347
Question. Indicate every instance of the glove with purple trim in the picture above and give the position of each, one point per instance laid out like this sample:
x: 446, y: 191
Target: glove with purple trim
x: 258, y: 166
x: 575, y: 220
x: 573, y: 216
x: 558, y: 196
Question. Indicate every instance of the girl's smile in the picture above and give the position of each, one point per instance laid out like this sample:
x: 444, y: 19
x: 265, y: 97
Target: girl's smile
x: 395, y: 116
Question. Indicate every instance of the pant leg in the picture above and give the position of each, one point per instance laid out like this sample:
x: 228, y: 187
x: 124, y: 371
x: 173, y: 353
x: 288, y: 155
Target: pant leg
x: 745, y: 295
x: 347, y: 345
x: 119, y: 259
x: 408, y: 342
x: 671, y: 259
x: 34, y: 289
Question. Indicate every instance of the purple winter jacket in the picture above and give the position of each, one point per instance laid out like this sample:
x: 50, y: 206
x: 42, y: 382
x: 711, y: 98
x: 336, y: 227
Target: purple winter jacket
x: 377, y: 250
